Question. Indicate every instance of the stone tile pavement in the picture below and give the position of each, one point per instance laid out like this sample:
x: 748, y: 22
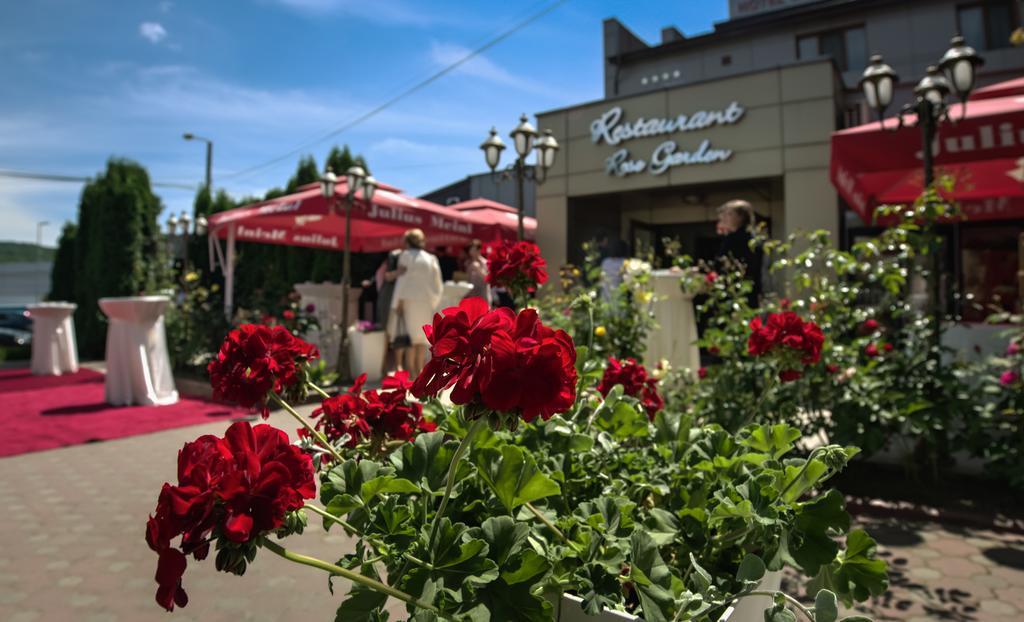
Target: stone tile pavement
x: 72, y: 548
x: 72, y: 544
x: 944, y: 572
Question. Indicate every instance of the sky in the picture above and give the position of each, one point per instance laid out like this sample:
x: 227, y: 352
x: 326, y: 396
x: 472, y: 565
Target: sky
x: 84, y: 81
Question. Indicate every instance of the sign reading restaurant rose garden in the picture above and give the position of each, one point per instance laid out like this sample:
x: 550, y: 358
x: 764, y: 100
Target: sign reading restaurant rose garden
x: 613, y: 129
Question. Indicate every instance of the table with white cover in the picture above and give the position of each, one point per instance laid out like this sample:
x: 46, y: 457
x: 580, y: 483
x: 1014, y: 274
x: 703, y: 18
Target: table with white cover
x: 53, y: 339
x: 138, y: 365
x: 675, y: 336
x: 453, y: 292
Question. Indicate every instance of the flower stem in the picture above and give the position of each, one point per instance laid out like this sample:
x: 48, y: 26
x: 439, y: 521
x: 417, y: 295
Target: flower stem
x: 354, y: 577
x: 544, y: 519
x: 800, y: 473
x: 452, y: 469
x: 316, y: 388
x: 796, y: 603
x: 317, y: 434
x: 377, y: 544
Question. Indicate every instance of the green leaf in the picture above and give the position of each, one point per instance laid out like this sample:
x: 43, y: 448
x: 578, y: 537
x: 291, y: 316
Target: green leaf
x: 776, y: 440
x: 652, y: 578
x: 700, y: 576
x: 751, y: 569
x: 826, y: 608
x: 525, y: 567
x: 623, y: 419
x: 513, y: 476
x: 362, y: 605
x: 386, y: 484
x: 504, y: 537
x: 461, y: 556
x: 860, y: 573
x: 814, y: 546
x: 779, y: 613
x: 662, y: 526
x: 425, y: 461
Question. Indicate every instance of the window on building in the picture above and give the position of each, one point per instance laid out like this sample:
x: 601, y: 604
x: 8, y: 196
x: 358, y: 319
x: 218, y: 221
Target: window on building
x: 989, y: 264
x: 847, y: 46
x: 987, y: 25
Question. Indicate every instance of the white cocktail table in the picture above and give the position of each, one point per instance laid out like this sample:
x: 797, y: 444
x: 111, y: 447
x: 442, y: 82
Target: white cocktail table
x: 138, y: 365
x: 53, y: 339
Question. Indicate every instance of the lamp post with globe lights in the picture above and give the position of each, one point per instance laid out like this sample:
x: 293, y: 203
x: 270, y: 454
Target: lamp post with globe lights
x: 525, y: 139
x: 955, y: 72
x: 356, y: 180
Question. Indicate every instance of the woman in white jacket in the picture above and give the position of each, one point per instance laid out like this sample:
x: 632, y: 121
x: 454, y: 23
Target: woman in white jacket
x: 416, y: 296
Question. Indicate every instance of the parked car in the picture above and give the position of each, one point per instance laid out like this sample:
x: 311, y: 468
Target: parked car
x: 15, y: 337
x: 15, y: 318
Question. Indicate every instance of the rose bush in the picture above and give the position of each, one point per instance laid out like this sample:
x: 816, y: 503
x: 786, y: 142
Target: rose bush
x: 518, y: 267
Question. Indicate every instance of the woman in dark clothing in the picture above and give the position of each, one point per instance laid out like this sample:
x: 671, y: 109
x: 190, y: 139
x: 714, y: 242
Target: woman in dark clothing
x: 735, y: 223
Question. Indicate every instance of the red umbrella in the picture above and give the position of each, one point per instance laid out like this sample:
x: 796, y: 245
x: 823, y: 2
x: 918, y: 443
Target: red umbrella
x: 982, y: 154
x: 498, y: 216
x: 306, y: 218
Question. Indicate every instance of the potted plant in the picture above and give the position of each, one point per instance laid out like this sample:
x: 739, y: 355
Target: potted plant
x: 552, y: 483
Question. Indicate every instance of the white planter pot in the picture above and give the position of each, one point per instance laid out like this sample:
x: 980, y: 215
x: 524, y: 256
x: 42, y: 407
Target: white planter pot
x: 366, y: 353
x: 750, y: 609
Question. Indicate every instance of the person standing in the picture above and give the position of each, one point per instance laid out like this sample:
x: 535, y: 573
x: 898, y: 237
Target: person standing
x: 416, y: 296
x: 476, y: 272
x: 735, y: 228
x: 385, y: 277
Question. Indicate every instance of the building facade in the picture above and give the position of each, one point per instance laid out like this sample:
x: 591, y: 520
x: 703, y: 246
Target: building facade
x: 485, y: 186
x: 745, y: 111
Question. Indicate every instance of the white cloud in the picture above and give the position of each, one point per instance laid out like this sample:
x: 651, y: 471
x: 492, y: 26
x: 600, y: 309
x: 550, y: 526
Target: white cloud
x: 445, y: 54
x: 152, y: 31
x: 387, y: 12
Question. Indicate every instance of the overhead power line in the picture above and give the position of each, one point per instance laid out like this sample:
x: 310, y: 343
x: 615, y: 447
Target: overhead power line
x: 402, y: 95
x: 74, y: 179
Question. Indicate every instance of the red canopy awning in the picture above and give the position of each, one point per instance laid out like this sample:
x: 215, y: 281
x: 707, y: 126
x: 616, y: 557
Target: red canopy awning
x: 497, y: 214
x: 306, y: 218
x: 983, y: 154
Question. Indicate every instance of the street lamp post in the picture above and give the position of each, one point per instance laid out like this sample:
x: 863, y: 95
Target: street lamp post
x: 182, y: 228
x: 525, y: 140
x: 955, y: 71
x: 356, y: 180
x: 209, y: 157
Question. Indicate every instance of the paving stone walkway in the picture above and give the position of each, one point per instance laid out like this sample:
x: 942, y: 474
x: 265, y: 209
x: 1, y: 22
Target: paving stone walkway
x: 72, y: 548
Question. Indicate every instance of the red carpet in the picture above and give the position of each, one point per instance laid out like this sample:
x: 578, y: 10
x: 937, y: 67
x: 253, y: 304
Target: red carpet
x: 46, y: 412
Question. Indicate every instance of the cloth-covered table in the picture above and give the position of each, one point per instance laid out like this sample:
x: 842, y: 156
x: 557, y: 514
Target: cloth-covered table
x: 53, y: 339
x: 366, y: 351
x: 138, y: 365
x: 675, y: 336
x: 452, y: 293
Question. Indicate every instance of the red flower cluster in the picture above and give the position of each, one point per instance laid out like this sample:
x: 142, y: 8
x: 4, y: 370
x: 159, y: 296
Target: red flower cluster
x: 517, y: 266
x: 787, y: 336
x: 635, y: 382
x: 499, y: 361
x: 236, y: 487
x: 381, y: 415
x: 254, y: 360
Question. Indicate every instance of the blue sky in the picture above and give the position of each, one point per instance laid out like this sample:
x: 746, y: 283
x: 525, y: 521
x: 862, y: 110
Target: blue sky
x: 83, y: 81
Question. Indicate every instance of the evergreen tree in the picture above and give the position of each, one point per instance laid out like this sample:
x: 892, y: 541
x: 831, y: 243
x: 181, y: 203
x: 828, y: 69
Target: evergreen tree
x: 62, y: 275
x: 117, y: 246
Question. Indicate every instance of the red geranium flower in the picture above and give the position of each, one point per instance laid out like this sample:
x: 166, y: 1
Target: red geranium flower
x: 887, y: 347
x: 499, y: 361
x: 702, y: 373
x: 254, y: 360
x: 238, y: 487
x: 871, y: 350
x: 517, y: 266
x: 870, y: 325
x: 288, y: 314
x: 832, y: 368
x: 788, y: 337
x: 635, y: 382
x: 373, y: 415
x: 1008, y: 377
x: 711, y: 277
